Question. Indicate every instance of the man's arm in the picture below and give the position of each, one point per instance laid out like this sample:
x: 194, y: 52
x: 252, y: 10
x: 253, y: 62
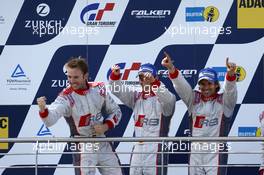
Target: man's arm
x: 113, y: 112
x: 230, y: 89
x: 56, y: 110
x: 124, y: 93
x: 181, y: 86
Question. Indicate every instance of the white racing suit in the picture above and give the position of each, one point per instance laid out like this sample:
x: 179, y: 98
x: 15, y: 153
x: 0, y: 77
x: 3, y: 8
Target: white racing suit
x: 82, y: 109
x: 152, y: 115
x: 208, y: 118
x: 261, y: 119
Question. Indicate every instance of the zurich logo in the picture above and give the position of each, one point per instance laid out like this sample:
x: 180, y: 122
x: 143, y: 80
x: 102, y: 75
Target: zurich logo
x: 43, y: 9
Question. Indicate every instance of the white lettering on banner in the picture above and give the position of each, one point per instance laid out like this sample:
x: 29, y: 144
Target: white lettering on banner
x: 185, y: 72
x: 59, y: 83
x: 150, y: 12
x: 41, y: 27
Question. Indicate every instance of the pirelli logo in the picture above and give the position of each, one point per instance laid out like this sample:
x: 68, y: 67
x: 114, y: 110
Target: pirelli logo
x: 3, y: 131
x: 250, y: 14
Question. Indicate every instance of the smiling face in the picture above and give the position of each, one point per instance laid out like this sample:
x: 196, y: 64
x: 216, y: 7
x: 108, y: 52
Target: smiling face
x: 208, y: 88
x: 76, y: 78
x: 144, y: 82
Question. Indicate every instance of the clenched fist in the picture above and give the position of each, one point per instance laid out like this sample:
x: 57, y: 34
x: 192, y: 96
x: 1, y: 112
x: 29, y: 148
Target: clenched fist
x: 41, y: 103
x: 100, y: 129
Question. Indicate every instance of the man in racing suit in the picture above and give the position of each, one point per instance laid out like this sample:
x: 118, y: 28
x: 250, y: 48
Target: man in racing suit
x: 84, y: 106
x: 153, y: 109
x: 261, y: 119
x: 208, y: 111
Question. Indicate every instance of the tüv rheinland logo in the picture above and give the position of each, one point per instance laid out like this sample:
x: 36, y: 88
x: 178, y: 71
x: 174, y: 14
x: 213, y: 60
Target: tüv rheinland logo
x: 44, y: 131
x: 18, y: 79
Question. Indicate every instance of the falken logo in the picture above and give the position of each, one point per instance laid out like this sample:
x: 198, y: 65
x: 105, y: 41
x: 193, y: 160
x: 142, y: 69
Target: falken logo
x: 150, y: 13
x: 92, y: 16
x: 187, y: 73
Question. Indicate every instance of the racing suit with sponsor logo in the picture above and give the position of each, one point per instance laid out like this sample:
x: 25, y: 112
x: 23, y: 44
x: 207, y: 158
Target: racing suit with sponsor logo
x: 208, y: 117
x: 82, y: 109
x: 261, y: 119
x: 152, y: 115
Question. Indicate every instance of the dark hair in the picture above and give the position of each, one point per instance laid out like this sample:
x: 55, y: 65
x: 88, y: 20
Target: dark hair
x: 218, y: 88
x: 78, y: 62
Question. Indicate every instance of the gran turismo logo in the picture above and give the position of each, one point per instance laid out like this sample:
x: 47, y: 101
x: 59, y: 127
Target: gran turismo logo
x: 91, y: 15
x: 124, y: 76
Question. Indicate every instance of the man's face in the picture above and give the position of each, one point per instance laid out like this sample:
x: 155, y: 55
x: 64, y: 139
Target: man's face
x: 76, y: 78
x: 144, y: 82
x: 208, y: 88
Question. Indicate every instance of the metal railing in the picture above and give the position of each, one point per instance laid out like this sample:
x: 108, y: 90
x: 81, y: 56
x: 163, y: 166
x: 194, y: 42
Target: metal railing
x: 161, y: 140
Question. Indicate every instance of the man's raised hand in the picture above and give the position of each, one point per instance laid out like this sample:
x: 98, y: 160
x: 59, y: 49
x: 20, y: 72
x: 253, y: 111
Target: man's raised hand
x: 115, y: 69
x: 167, y: 62
x: 231, y: 67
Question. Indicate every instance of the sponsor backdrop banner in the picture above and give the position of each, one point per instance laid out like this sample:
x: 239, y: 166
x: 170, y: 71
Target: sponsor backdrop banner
x: 38, y: 36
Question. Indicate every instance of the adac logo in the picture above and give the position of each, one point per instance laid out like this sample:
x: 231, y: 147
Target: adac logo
x: 250, y: 14
x: 251, y: 3
x: 44, y: 131
x: 196, y: 14
x: 221, y: 71
x: 91, y: 15
x: 125, y: 75
x: 4, y: 132
x: 18, y: 72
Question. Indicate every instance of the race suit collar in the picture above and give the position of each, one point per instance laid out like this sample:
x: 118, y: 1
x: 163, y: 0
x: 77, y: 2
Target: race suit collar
x: 146, y: 95
x: 210, y: 98
x: 82, y: 91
